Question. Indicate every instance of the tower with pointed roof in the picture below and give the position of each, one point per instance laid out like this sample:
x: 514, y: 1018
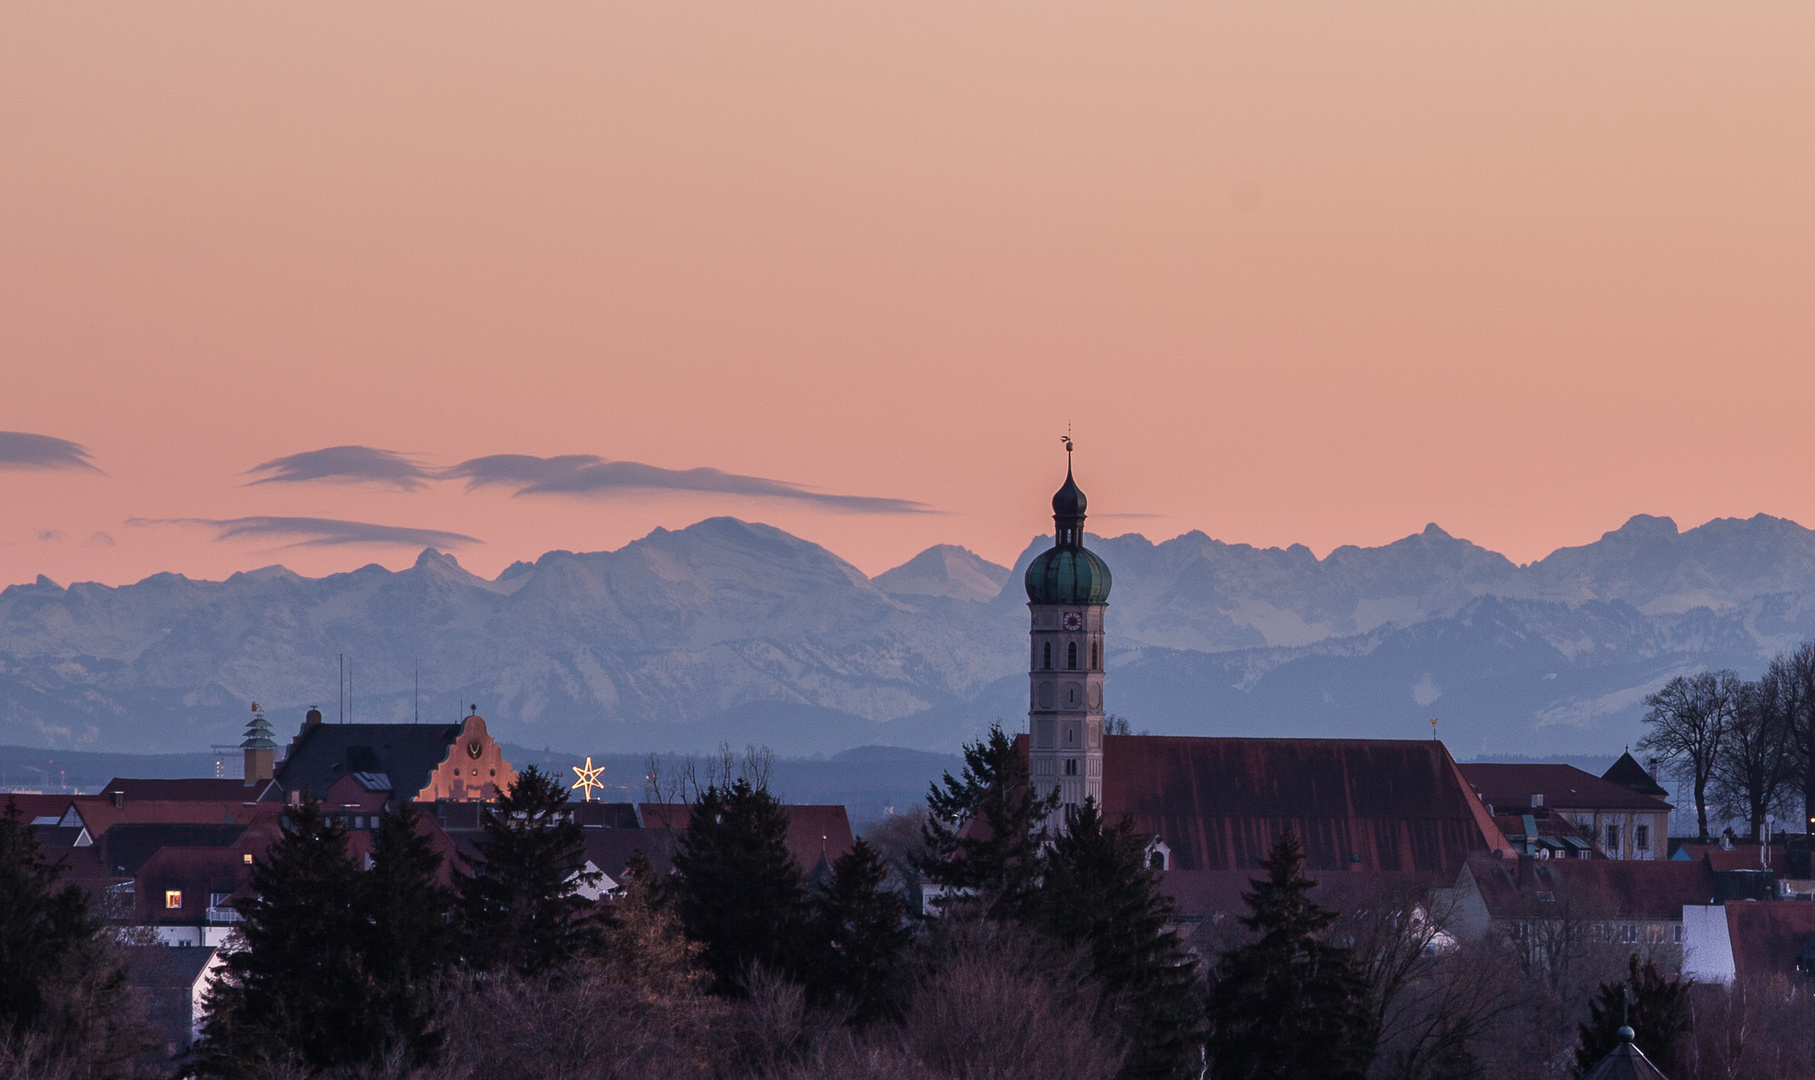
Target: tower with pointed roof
x: 1067, y: 594
x: 260, y: 748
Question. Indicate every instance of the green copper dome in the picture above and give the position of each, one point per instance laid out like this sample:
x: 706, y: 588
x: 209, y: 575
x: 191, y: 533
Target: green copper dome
x: 1068, y: 575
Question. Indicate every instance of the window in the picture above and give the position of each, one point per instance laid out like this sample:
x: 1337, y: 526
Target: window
x: 1629, y: 934
x: 1613, y: 838
x: 1071, y: 656
x: 1071, y: 766
x: 217, y: 899
x: 246, y: 858
x: 1547, y: 898
x: 1046, y: 659
x: 1156, y: 861
x: 1093, y: 656
x: 1676, y: 934
x: 173, y: 899
x: 1654, y: 934
x: 1641, y: 837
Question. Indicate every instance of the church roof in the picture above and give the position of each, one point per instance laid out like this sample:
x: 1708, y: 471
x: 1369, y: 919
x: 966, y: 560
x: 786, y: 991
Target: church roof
x: 1628, y: 773
x: 1510, y: 786
x: 1357, y: 804
x: 1068, y: 575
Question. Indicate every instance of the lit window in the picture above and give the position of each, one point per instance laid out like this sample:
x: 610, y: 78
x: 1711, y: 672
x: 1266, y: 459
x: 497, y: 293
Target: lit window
x: 173, y: 898
x: 246, y: 858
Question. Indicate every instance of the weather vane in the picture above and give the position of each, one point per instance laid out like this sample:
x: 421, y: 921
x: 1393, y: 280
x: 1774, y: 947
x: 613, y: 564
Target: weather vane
x: 588, y: 778
x: 1066, y: 439
x: 1433, y: 729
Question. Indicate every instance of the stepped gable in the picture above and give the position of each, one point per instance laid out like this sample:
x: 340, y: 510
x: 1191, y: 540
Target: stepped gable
x: 1357, y: 805
x: 1628, y: 773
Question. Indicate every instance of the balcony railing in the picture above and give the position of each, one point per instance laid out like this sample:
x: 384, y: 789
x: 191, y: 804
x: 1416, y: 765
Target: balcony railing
x: 223, y: 915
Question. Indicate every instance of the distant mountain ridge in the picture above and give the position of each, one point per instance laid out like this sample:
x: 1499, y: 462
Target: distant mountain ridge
x: 730, y: 631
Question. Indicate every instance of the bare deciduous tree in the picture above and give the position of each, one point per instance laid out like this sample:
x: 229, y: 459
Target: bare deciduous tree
x: 1689, y: 720
x: 1757, y: 759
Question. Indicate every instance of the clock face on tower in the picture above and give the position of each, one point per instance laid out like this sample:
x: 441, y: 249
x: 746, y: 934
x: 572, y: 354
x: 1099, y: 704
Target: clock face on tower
x: 1073, y: 620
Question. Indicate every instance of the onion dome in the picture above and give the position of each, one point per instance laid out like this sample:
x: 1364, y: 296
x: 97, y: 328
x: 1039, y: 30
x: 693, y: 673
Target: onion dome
x: 1068, y: 574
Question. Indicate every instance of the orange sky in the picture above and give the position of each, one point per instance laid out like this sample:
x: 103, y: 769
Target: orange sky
x: 1294, y: 272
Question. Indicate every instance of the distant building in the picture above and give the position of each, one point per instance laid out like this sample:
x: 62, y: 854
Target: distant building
x: 1624, y: 823
x: 425, y: 763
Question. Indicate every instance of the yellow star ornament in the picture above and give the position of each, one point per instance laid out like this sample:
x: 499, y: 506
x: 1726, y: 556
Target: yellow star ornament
x: 588, y: 777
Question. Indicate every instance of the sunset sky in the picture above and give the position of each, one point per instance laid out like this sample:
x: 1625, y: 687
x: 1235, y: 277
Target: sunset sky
x: 1291, y: 272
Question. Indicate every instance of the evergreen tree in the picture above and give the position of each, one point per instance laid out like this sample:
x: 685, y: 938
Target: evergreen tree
x: 984, y: 829
x: 409, y: 935
x: 740, y: 893
x: 1097, y: 894
x: 644, y: 941
x: 521, y: 907
x: 43, y: 929
x: 1656, y: 1008
x: 862, y: 933
x: 297, y: 987
x: 1288, y: 1005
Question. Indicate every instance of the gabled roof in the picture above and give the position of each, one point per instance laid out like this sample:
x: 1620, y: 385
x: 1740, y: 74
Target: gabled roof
x: 812, y: 830
x: 1626, y: 1062
x: 1527, y: 888
x: 1510, y: 786
x: 1357, y: 804
x: 407, y: 755
x: 1742, y: 856
x: 201, y: 789
x: 127, y: 847
x: 32, y: 807
x: 611, y: 849
x: 1209, y: 894
x: 100, y: 815
x: 1628, y: 773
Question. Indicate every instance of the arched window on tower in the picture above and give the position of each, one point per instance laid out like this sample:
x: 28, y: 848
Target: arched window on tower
x: 1071, y: 656
x: 1046, y: 660
x: 1093, y: 656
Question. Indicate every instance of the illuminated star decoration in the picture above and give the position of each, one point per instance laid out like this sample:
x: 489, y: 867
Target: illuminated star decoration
x: 588, y: 777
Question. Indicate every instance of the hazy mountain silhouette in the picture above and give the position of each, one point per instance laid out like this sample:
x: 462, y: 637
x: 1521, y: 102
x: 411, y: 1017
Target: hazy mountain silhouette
x: 728, y: 631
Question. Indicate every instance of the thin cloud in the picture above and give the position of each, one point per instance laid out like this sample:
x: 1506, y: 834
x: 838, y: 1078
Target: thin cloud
x: 317, y: 532
x: 588, y: 474
x: 344, y: 465
x: 22, y: 450
x: 53, y: 536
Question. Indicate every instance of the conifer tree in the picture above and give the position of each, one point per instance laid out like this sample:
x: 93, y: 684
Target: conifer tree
x: 1097, y: 894
x: 862, y: 932
x: 1657, y: 1012
x: 409, y: 935
x: 43, y: 927
x: 521, y: 908
x: 644, y: 941
x: 298, y: 986
x: 1289, y: 1004
x: 740, y: 893
x: 984, y: 829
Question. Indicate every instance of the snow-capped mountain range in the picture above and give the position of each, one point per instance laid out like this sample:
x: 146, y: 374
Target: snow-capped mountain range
x: 738, y: 632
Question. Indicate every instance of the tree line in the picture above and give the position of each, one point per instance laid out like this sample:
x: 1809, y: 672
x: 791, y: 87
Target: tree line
x: 1746, y: 748
x: 1053, y: 954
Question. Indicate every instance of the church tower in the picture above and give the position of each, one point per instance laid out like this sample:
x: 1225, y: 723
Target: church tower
x: 1067, y: 593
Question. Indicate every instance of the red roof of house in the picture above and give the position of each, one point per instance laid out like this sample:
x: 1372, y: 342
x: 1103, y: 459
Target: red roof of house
x: 193, y: 789
x: 196, y: 873
x: 611, y: 849
x: 1357, y: 804
x: 36, y: 806
x: 99, y: 813
x: 1743, y: 856
x: 1508, y: 788
x: 812, y: 830
x: 1768, y: 934
x: 1209, y: 894
x: 1649, y: 889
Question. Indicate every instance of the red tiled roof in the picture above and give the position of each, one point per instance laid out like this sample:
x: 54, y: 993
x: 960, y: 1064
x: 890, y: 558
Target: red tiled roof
x: 1357, y: 805
x: 610, y: 850
x: 1743, y: 856
x: 1591, y: 888
x: 1205, y: 894
x: 1508, y: 788
x: 99, y: 813
x: 196, y: 872
x: 812, y: 830
x: 196, y: 789
x: 36, y: 806
x: 1768, y: 934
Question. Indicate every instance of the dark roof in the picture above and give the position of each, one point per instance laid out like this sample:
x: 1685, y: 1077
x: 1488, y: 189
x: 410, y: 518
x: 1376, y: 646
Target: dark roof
x: 606, y: 815
x: 1742, y: 856
x: 1369, y: 805
x: 1628, y: 773
x: 163, y: 980
x: 32, y: 807
x: 206, y: 789
x: 1510, y: 787
x: 1647, y: 889
x: 812, y: 830
x: 1626, y: 1062
x: 1068, y: 575
x: 60, y: 835
x: 1208, y: 894
x: 1768, y: 936
x: 611, y: 849
x: 127, y: 847
x: 406, y: 754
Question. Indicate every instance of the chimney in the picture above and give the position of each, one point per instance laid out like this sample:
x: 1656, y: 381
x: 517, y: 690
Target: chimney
x: 119, y: 799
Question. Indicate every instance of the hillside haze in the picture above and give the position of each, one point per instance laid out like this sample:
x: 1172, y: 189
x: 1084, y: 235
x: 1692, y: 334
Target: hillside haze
x: 738, y: 632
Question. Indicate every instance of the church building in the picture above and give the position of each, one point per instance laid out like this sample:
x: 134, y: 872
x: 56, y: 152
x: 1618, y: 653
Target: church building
x: 1218, y: 804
